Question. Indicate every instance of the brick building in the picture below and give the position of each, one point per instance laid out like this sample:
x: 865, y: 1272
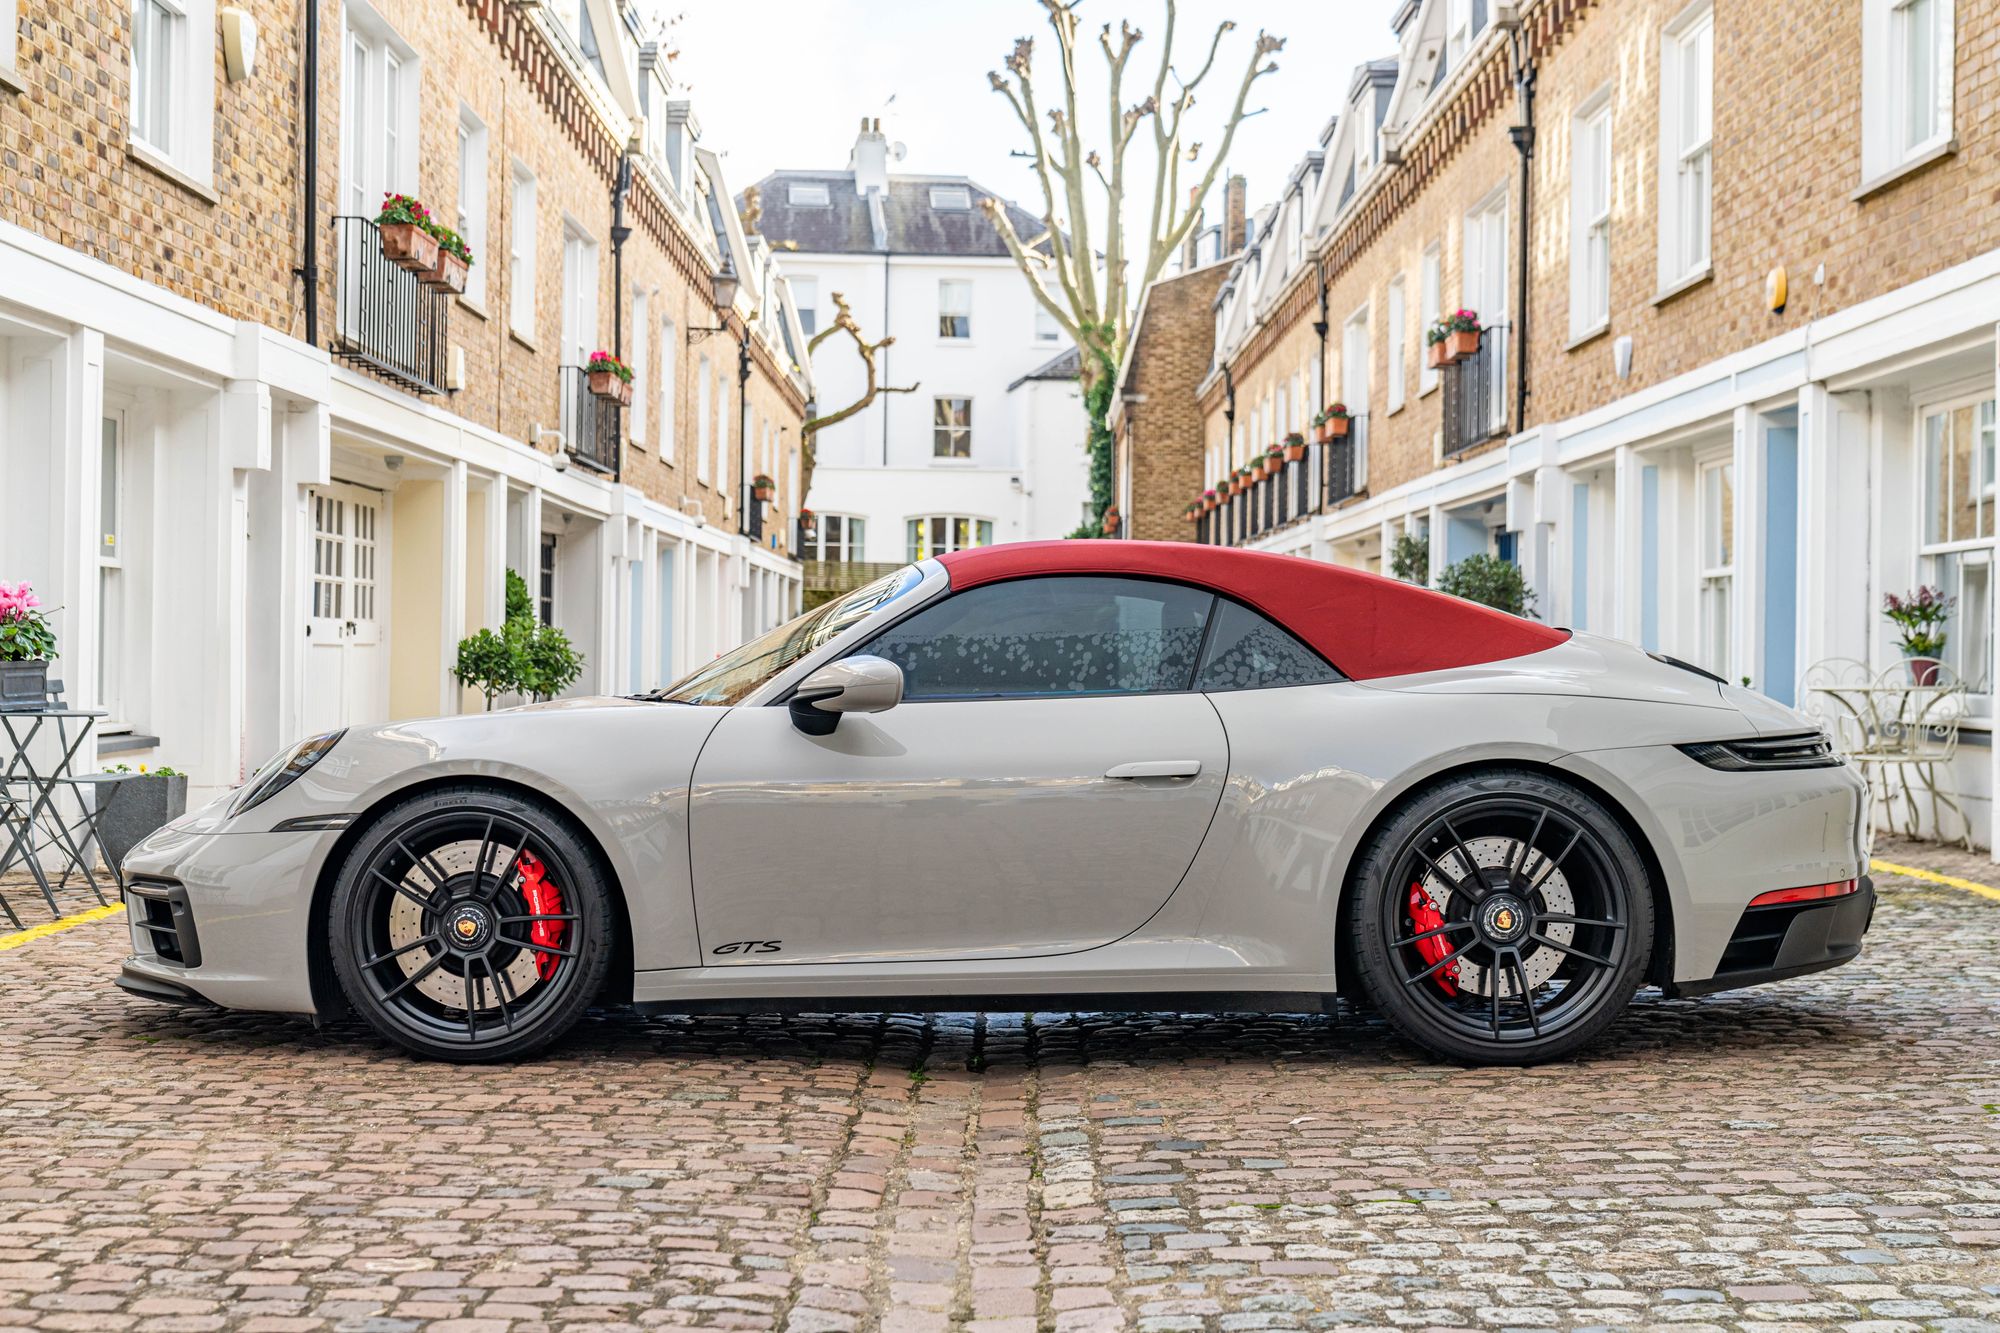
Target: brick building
x: 269, y: 478
x: 1737, y: 376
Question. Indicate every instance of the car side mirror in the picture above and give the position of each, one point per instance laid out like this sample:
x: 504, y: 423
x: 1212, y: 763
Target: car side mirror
x: 861, y: 684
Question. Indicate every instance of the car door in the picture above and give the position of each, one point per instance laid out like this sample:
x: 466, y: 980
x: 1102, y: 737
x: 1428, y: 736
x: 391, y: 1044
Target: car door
x: 1041, y: 789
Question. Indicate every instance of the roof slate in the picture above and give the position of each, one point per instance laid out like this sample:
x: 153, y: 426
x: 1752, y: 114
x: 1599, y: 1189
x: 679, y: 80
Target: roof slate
x: 908, y: 224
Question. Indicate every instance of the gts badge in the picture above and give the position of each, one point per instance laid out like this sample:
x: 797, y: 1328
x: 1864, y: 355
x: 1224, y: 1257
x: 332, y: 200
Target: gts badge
x: 741, y: 947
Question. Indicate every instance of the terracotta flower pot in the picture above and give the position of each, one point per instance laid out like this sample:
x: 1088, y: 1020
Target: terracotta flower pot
x: 763, y: 492
x: 409, y: 246
x: 1438, y: 359
x: 1294, y: 453
x: 606, y: 384
x: 625, y: 393
x: 1273, y: 466
x: 448, y: 274
x: 1337, y: 428
x: 1461, y: 343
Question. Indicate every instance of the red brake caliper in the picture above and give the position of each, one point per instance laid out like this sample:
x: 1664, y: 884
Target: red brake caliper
x: 1425, y: 919
x: 545, y: 899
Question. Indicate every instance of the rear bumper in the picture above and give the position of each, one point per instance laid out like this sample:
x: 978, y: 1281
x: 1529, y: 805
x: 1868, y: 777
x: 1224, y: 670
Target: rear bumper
x: 1774, y: 943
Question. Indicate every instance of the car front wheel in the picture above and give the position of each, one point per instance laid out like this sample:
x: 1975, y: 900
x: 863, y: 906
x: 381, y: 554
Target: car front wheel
x: 469, y: 924
x: 1501, y: 918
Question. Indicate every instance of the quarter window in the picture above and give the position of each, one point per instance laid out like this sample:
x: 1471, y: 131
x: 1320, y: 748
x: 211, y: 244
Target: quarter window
x: 1051, y: 636
x: 1248, y: 652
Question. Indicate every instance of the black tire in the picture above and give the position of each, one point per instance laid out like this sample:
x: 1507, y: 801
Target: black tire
x: 442, y: 898
x: 1500, y: 918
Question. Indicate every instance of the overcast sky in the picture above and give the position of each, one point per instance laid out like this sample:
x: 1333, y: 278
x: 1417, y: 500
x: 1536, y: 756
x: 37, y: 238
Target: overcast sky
x: 784, y: 83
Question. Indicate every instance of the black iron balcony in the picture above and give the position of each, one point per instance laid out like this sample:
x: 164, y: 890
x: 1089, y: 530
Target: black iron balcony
x: 589, y: 423
x: 1343, y: 461
x: 1475, y: 395
x: 386, y: 319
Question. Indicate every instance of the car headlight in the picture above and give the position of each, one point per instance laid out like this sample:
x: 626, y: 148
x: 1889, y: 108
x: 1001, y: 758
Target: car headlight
x: 282, y: 771
x: 1807, y: 750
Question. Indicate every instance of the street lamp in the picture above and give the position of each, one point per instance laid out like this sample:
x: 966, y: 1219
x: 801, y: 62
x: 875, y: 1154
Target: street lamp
x: 726, y: 284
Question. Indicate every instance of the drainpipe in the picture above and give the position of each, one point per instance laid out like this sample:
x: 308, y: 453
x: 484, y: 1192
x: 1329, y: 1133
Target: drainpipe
x: 1320, y: 327
x: 745, y: 496
x: 1523, y: 135
x: 620, y: 233
x: 1228, y: 510
x: 308, y: 271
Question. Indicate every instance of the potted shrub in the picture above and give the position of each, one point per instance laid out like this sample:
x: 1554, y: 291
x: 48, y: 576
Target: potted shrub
x: 136, y: 805
x: 1338, y: 422
x: 27, y: 642
x: 763, y: 487
x: 1274, y: 460
x: 1194, y: 511
x: 610, y: 378
x: 1921, y: 617
x: 454, y: 261
x: 408, y: 240
x: 1434, y: 356
x: 1461, y: 337
x: 1209, y: 499
x: 1295, y: 447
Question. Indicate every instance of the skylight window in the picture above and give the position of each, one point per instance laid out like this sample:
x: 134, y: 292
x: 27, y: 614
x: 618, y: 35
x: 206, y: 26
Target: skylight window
x: 954, y: 197
x: 808, y: 196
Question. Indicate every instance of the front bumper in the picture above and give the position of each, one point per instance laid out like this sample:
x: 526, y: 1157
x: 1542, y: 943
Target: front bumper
x: 223, y: 918
x: 1774, y: 943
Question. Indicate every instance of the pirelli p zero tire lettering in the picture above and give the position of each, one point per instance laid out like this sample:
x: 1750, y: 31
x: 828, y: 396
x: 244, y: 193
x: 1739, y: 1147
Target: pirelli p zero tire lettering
x: 1502, y: 917
x: 470, y: 924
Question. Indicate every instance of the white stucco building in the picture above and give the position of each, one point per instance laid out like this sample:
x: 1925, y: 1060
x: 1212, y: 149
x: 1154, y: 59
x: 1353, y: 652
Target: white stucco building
x: 990, y: 446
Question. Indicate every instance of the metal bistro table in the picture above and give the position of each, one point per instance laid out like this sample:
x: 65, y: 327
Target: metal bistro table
x: 29, y: 796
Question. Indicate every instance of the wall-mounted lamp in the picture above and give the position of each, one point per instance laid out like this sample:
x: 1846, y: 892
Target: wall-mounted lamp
x: 239, y: 44
x: 1621, y: 357
x: 1777, y: 290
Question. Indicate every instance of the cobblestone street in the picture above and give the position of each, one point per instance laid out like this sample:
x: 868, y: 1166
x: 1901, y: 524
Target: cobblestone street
x: 1824, y: 1152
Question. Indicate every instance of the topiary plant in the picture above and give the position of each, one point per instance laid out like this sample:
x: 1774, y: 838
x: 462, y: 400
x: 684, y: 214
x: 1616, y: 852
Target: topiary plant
x: 1490, y: 581
x: 1410, y: 559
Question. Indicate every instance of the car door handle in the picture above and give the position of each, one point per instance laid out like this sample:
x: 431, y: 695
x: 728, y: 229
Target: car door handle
x: 1156, y: 768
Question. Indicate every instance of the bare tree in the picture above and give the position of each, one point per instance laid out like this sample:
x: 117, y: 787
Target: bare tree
x: 1093, y: 308
x: 843, y: 322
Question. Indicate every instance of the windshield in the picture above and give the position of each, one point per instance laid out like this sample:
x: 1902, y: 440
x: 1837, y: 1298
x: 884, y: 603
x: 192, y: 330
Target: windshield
x: 731, y: 677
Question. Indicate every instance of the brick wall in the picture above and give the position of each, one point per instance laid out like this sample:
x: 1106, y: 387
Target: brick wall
x: 1160, y: 444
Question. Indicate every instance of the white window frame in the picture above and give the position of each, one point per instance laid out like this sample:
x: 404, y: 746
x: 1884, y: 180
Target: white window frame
x: 955, y: 434
x: 1976, y: 551
x: 721, y: 436
x: 951, y: 198
x: 1687, y: 157
x: 1715, y: 576
x: 1357, y: 366
x: 1430, y: 310
x: 670, y: 370
x: 380, y: 77
x: 112, y: 648
x: 850, y: 548
x: 1046, y: 328
x: 805, y: 300
x: 10, y: 26
x: 581, y: 275
x: 521, y: 253
x: 1590, y: 217
x: 470, y: 222
x: 1399, y: 336
x: 949, y: 308
x: 703, y: 412
x: 1461, y: 33
x: 642, y: 328
x: 808, y: 194
x: 184, y: 145
x: 951, y: 543
x: 1890, y: 143
x: 1483, y: 289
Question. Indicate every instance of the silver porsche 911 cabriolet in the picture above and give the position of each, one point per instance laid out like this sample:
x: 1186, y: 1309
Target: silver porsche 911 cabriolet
x: 1046, y: 775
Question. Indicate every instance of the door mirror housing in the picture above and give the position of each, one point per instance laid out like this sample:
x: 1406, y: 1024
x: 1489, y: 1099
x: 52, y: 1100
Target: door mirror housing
x: 862, y: 684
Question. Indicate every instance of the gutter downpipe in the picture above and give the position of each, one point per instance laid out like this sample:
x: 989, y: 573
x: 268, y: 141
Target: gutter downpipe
x: 620, y: 233
x: 1229, y: 450
x: 1320, y: 327
x: 1523, y: 135
x: 308, y: 270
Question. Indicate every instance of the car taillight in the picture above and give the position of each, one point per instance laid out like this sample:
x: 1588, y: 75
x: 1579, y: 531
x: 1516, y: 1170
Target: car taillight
x: 1806, y: 894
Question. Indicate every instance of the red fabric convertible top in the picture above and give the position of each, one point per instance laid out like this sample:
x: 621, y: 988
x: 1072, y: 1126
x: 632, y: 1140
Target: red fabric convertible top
x: 1366, y: 625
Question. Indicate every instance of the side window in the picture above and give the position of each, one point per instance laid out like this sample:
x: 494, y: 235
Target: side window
x: 1248, y: 652
x: 1050, y: 636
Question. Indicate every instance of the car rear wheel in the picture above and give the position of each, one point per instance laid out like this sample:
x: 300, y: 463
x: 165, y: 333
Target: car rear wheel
x: 1501, y: 918
x: 470, y: 924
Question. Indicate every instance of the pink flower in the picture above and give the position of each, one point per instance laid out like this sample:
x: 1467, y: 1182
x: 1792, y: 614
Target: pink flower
x: 17, y: 600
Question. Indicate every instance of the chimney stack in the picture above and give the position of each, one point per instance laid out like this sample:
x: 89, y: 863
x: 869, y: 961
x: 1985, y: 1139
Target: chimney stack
x: 870, y: 160
x: 1235, y: 214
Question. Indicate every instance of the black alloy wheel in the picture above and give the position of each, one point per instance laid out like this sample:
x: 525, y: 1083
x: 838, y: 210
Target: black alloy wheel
x: 469, y: 924
x: 1501, y: 918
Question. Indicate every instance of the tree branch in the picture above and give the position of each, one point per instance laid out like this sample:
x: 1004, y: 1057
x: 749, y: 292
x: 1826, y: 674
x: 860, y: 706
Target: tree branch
x: 843, y: 322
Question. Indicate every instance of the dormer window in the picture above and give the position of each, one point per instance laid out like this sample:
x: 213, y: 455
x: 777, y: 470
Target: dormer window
x: 951, y: 198
x: 808, y: 196
x: 1466, y: 21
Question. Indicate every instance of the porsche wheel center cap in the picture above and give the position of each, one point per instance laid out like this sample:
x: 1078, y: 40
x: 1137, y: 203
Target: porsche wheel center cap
x: 1503, y: 919
x: 467, y: 925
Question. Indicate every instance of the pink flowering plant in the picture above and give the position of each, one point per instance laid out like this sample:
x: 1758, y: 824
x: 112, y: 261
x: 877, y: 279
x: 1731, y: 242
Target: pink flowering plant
x: 1921, y: 617
x: 25, y: 633
x: 403, y: 208
x: 602, y: 361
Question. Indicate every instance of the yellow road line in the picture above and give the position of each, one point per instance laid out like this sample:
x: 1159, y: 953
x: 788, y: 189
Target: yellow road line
x: 56, y: 927
x: 1887, y: 868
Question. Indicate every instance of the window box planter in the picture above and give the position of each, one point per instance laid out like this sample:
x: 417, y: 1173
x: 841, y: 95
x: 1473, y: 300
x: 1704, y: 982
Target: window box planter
x: 1274, y: 462
x: 24, y: 684
x: 1461, y: 343
x: 408, y: 246
x: 447, y: 275
x: 763, y: 488
x: 1437, y: 358
x: 134, y: 807
x: 1295, y: 448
